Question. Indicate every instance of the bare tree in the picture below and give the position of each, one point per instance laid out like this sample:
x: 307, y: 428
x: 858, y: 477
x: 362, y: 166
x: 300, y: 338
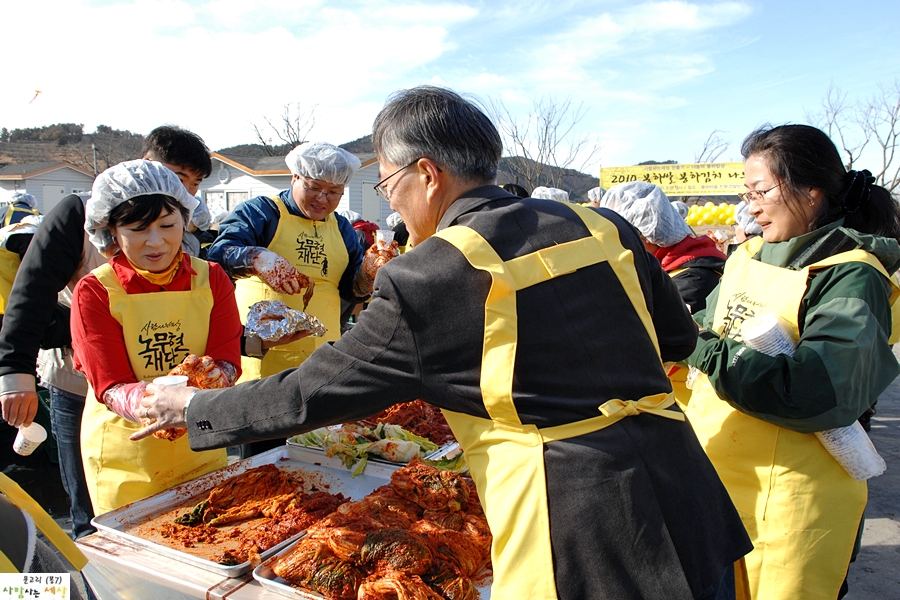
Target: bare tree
x: 714, y: 147
x: 840, y: 119
x: 880, y: 121
x: 542, y: 144
x: 291, y: 128
x: 103, y: 149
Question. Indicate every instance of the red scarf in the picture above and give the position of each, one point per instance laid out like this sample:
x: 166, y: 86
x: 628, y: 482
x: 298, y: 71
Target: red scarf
x: 686, y: 250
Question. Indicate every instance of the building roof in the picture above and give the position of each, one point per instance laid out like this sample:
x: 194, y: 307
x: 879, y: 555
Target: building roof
x: 269, y: 165
x: 26, y: 170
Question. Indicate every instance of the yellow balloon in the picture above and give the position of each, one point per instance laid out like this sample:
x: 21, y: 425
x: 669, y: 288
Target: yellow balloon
x: 709, y: 205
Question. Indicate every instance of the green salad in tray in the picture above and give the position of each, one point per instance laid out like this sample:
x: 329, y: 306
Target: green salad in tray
x: 354, y: 443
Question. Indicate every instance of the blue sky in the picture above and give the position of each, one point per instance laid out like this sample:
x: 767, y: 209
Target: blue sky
x: 655, y: 77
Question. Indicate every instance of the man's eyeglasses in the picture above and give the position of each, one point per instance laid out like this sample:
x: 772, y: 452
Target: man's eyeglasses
x: 758, y: 196
x: 382, y: 191
x: 315, y: 192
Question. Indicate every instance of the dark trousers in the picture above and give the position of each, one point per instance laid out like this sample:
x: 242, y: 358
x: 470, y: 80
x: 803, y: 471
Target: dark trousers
x: 65, y: 420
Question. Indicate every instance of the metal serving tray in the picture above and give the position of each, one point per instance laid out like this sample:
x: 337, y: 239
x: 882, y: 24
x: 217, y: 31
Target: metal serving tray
x: 325, y: 473
x: 272, y: 582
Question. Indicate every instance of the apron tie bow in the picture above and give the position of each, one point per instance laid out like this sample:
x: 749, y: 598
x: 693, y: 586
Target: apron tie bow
x: 657, y: 405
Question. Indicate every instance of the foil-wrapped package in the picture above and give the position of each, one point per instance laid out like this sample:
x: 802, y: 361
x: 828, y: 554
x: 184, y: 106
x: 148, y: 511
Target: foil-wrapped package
x: 272, y: 320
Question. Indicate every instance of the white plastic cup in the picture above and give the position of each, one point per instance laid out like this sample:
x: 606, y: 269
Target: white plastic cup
x: 175, y: 380
x: 384, y: 237
x: 29, y: 438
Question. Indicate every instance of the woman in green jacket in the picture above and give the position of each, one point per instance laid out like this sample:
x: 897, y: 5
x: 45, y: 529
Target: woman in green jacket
x: 823, y: 265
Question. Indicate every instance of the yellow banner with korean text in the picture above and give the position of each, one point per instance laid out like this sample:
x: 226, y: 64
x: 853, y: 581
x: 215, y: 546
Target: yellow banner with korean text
x: 699, y: 179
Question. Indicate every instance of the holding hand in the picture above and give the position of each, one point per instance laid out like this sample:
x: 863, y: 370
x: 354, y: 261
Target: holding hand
x: 164, y: 406
x: 376, y: 257
x: 19, y: 408
x: 281, y: 275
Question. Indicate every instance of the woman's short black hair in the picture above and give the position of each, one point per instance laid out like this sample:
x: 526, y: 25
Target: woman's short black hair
x: 144, y: 210
x: 803, y: 158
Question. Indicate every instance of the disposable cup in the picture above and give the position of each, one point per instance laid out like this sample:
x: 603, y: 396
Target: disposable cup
x: 176, y: 380
x: 29, y: 438
x: 384, y: 237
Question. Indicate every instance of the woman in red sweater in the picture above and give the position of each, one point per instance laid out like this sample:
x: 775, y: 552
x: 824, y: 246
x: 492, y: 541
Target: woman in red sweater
x: 136, y: 318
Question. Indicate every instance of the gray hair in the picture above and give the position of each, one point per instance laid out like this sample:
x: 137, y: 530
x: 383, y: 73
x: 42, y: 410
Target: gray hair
x: 439, y: 124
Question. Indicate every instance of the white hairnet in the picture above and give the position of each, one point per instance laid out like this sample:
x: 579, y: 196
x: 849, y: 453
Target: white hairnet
x: 123, y: 182
x: 548, y: 193
x: 319, y: 160
x: 201, y: 217
x: 350, y: 215
x: 745, y: 220
x: 394, y: 219
x: 596, y: 194
x: 682, y: 208
x: 646, y: 206
x: 23, y: 198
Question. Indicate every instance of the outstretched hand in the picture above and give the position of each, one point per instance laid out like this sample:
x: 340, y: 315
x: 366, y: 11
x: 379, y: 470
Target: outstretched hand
x: 164, y: 406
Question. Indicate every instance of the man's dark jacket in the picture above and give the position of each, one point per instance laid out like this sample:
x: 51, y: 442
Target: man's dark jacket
x: 636, y: 509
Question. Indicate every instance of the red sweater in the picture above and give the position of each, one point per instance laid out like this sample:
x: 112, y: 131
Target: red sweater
x: 97, y: 337
x: 686, y: 250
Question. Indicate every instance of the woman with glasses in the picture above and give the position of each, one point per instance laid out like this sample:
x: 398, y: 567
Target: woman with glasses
x: 823, y: 265
x: 274, y: 246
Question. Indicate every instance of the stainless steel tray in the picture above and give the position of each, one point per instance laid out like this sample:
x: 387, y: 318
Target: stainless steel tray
x: 323, y: 472
x: 272, y: 582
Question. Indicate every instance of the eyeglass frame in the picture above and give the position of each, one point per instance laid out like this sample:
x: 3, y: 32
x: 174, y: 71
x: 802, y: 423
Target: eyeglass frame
x: 382, y: 191
x: 747, y: 197
x: 317, y: 193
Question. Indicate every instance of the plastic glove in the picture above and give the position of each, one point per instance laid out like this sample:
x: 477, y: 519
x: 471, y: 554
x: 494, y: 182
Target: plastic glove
x: 124, y: 399
x: 164, y: 406
x: 374, y: 258
x: 280, y: 274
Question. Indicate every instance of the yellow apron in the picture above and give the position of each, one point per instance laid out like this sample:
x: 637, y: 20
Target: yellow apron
x: 9, y: 261
x: 9, y: 266
x: 44, y: 522
x: 678, y: 372
x: 800, y: 507
x: 160, y: 330
x: 505, y: 456
x: 14, y: 209
x: 316, y: 249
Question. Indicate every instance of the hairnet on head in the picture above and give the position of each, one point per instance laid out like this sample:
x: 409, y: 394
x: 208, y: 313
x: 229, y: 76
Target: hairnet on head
x: 596, y: 194
x: 201, y: 217
x: 350, y: 215
x: 126, y: 181
x: 319, y: 160
x: 548, y: 193
x: 646, y: 206
x: 745, y: 220
x: 23, y: 198
x: 682, y: 208
x: 394, y: 219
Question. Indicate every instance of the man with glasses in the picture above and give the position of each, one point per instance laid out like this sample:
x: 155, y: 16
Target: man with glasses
x: 540, y: 328
x: 267, y: 241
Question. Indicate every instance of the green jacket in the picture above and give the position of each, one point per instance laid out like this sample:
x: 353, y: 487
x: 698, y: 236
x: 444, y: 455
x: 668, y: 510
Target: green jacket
x: 843, y: 360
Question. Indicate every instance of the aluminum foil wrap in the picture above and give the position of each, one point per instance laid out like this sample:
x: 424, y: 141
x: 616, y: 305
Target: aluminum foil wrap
x: 272, y: 320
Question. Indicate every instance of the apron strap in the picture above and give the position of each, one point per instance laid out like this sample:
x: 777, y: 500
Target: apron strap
x: 44, y: 522
x: 613, y: 412
x: 508, y: 277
